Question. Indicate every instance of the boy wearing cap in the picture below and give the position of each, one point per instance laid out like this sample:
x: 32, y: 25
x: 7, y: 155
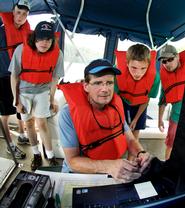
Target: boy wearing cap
x: 12, y: 31
x: 16, y: 25
x: 172, y: 74
x: 34, y: 82
x: 137, y: 84
x: 94, y: 134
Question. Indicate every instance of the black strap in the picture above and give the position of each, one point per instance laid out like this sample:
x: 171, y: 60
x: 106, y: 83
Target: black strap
x: 133, y: 94
x: 173, y: 85
x: 103, y: 127
x: 170, y: 88
x: 36, y: 70
x: 101, y: 141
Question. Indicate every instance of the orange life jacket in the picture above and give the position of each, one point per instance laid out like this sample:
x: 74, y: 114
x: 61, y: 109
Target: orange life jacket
x: 34, y: 62
x: 136, y: 92
x: 14, y: 36
x: 100, y: 133
x: 173, y: 82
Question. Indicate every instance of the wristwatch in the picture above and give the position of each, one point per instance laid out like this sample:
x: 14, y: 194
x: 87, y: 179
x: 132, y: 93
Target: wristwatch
x: 142, y: 151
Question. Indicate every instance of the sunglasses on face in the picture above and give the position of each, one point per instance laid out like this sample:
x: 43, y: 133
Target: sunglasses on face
x: 164, y: 61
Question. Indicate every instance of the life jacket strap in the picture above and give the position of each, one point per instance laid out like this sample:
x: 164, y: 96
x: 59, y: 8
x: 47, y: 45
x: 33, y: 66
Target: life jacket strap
x: 101, y: 141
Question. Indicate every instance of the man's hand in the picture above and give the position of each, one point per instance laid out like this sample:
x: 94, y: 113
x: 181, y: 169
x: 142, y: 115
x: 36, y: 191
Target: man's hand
x: 143, y: 161
x: 123, y: 170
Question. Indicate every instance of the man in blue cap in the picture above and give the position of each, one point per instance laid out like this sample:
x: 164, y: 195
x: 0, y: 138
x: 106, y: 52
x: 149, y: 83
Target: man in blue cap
x: 94, y: 133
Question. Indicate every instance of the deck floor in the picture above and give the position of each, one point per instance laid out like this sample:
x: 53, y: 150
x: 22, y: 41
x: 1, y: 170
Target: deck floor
x: 24, y: 164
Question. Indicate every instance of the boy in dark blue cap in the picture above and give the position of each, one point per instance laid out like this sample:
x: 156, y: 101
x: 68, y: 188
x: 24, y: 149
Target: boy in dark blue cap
x: 34, y: 82
x: 94, y: 134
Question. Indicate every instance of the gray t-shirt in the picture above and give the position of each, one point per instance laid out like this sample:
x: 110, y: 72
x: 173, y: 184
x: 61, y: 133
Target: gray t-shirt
x: 26, y: 87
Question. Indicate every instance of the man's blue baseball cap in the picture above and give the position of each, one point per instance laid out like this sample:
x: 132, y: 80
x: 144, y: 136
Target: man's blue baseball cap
x: 100, y: 65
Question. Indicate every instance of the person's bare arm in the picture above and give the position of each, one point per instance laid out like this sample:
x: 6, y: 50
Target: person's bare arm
x: 120, y: 169
x: 160, y: 118
x: 15, y: 90
x: 135, y: 148
x: 53, y: 105
x: 14, y: 85
x: 141, y: 109
x: 133, y: 145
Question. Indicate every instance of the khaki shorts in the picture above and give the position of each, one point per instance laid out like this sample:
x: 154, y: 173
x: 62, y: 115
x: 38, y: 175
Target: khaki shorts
x: 35, y: 105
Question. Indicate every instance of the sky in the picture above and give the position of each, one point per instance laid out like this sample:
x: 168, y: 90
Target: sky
x: 34, y: 19
x: 82, y: 41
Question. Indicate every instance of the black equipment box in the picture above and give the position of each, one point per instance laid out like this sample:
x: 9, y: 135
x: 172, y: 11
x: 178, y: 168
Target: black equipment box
x: 28, y: 190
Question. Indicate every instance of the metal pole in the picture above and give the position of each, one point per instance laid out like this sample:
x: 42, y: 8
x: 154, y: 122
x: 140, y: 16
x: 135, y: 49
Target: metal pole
x: 164, y: 43
x: 78, y: 18
x: 148, y: 24
x: 61, y: 24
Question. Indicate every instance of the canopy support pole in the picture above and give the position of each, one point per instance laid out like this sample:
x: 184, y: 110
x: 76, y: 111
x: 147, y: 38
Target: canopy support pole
x: 111, y: 44
x: 61, y: 24
x: 148, y: 24
x: 149, y: 30
x: 78, y: 18
x: 165, y: 43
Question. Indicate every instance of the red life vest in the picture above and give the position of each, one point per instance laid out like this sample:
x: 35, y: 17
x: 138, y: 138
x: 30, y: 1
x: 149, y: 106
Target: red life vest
x: 173, y: 82
x: 136, y: 92
x: 14, y: 36
x: 34, y: 62
x: 100, y: 133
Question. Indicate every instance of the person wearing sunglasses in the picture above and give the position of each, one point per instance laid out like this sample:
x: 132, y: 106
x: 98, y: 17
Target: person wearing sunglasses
x: 93, y: 131
x: 172, y: 74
